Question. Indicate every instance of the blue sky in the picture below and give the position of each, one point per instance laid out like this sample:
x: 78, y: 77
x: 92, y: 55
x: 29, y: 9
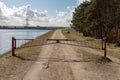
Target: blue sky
x: 50, y: 5
x: 41, y: 12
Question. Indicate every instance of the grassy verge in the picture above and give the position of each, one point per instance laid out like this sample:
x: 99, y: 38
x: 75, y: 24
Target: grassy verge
x: 84, y: 41
x: 111, y: 50
x: 9, y: 64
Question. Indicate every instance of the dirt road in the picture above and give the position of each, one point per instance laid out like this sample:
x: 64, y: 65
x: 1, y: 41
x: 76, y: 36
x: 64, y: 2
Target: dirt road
x: 61, y: 62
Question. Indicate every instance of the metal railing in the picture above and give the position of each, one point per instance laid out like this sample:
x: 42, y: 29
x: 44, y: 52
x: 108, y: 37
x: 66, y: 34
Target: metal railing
x: 25, y: 43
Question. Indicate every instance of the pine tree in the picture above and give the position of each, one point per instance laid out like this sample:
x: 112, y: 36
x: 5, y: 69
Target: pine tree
x: 98, y: 18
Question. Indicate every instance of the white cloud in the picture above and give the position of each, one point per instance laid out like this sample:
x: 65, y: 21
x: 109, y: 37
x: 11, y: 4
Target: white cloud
x: 62, y: 14
x: 79, y: 1
x: 17, y: 15
x: 66, y: 16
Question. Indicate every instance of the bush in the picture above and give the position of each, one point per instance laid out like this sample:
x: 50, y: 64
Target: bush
x: 117, y: 43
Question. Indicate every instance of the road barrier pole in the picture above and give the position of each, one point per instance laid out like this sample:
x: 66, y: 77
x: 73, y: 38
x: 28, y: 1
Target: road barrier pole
x: 13, y: 46
x: 14, y: 43
x: 105, y: 51
x: 102, y: 44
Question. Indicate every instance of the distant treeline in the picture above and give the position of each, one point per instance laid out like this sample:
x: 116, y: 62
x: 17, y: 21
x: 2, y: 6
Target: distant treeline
x: 98, y: 18
x: 30, y: 27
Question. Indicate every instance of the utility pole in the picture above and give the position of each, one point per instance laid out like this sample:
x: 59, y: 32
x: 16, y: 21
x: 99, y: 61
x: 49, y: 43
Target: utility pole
x: 27, y: 20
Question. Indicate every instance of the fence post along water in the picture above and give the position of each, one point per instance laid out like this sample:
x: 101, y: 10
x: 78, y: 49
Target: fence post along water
x: 13, y: 46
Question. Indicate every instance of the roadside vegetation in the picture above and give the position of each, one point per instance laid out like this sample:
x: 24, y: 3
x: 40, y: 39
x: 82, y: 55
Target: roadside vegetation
x: 98, y: 18
x: 12, y: 65
x: 111, y: 49
x: 81, y: 39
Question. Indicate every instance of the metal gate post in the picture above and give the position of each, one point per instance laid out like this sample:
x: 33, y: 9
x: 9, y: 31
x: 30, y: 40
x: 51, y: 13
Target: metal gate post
x: 104, y: 41
x: 14, y: 43
x: 13, y: 46
x: 102, y: 44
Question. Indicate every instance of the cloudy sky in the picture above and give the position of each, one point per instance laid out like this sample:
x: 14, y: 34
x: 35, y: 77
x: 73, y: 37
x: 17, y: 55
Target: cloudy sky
x: 39, y: 12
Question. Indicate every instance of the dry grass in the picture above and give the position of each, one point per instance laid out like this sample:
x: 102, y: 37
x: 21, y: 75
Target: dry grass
x: 111, y: 49
x: 10, y: 64
x: 88, y: 55
x: 85, y: 41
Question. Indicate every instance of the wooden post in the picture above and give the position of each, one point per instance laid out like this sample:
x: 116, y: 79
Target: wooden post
x: 13, y: 46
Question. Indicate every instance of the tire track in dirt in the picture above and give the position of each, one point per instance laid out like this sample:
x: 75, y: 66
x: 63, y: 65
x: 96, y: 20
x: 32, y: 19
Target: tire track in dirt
x: 48, y: 69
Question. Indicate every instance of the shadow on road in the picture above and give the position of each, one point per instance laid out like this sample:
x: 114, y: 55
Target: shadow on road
x: 42, y: 59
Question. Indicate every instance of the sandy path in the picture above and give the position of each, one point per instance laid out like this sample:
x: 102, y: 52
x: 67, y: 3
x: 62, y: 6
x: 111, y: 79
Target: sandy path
x: 60, y: 62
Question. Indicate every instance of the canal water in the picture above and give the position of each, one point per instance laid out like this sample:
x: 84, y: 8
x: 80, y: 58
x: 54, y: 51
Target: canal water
x: 6, y: 35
